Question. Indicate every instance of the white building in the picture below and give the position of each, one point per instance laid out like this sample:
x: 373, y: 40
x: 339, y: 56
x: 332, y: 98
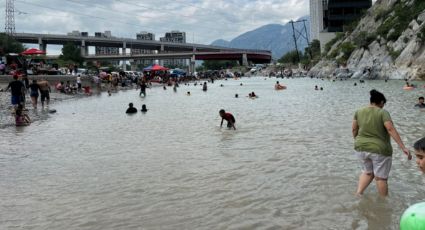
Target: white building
x: 317, y: 28
x: 105, y: 50
x: 174, y: 37
x: 144, y: 36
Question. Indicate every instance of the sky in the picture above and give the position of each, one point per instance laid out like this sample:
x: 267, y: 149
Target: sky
x: 204, y: 21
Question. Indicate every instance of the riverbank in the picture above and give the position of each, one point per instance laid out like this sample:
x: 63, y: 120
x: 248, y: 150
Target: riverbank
x: 6, y: 109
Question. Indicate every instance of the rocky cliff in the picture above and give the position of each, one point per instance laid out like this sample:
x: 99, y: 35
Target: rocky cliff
x: 388, y: 42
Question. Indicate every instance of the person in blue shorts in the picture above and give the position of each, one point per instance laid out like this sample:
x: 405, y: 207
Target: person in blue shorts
x: 17, y: 89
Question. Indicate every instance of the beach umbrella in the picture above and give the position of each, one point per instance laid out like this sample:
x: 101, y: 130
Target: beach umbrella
x: 33, y: 51
x: 155, y: 67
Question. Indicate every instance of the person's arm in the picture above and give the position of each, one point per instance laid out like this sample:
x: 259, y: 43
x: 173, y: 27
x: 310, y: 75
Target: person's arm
x: 8, y: 86
x: 355, y: 128
x: 221, y: 124
x: 394, y: 134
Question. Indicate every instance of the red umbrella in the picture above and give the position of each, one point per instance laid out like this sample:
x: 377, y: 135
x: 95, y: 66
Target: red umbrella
x: 33, y: 51
x: 155, y: 67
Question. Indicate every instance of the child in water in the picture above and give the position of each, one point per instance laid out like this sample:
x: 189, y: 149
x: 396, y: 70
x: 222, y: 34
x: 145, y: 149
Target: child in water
x: 229, y: 118
x: 419, y: 147
x: 144, y: 109
x: 21, y: 119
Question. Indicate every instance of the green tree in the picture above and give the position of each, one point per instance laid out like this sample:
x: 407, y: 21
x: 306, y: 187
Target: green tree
x: 314, y: 49
x: 71, y: 53
x: 9, y: 45
x: 290, y: 57
x: 217, y: 65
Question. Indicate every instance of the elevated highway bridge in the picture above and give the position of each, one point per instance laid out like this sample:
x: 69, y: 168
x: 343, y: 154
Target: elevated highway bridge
x: 161, y: 50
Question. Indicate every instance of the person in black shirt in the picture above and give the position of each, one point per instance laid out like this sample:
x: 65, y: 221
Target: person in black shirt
x: 17, y: 89
x: 142, y: 89
x: 131, y: 109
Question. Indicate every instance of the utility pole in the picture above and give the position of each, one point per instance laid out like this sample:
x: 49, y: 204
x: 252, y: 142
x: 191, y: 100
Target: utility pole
x: 296, y: 32
x: 295, y: 40
x: 9, y: 27
x: 308, y: 41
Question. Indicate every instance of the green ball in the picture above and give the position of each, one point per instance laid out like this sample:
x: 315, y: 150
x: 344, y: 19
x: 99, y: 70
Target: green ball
x: 413, y: 218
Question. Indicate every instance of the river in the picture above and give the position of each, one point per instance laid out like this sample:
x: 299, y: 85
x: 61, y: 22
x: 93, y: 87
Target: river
x: 289, y: 164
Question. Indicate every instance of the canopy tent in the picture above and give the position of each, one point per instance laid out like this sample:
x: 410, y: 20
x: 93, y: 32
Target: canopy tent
x: 178, y: 73
x: 155, y: 67
x: 33, y: 51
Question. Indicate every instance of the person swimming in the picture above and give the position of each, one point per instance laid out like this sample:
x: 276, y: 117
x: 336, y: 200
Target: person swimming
x: 252, y: 95
x: 421, y: 103
x: 188, y: 93
x: 131, y: 109
x: 316, y: 87
x: 236, y: 95
x: 278, y: 86
x: 204, y: 86
x: 144, y: 109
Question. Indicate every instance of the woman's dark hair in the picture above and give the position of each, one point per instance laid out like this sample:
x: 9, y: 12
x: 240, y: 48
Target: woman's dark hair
x: 420, y: 145
x: 377, y: 97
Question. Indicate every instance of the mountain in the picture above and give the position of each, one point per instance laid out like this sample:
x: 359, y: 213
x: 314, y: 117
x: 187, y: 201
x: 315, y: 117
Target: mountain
x: 221, y: 42
x: 275, y: 37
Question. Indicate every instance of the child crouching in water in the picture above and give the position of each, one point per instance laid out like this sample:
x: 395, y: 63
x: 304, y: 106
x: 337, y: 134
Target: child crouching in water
x: 21, y: 119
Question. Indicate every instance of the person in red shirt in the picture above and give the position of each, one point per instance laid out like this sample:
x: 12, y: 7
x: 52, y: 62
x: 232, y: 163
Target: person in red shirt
x: 229, y: 118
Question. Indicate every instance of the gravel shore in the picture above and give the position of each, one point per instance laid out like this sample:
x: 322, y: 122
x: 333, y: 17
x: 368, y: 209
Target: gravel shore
x: 6, y: 109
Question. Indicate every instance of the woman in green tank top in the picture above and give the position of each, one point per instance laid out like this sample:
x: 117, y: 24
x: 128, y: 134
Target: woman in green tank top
x: 372, y: 128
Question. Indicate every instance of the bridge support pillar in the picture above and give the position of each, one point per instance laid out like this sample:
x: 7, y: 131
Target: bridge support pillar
x: 192, y: 65
x: 41, y: 45
x: 83, y: 49
x: 124, y: 52
x: 133, y: 64
x: 245, y: 59
x: 161, y: 61
x: 124, y: 48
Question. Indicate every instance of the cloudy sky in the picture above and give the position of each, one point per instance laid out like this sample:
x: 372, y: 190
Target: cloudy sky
x: 203, y: 20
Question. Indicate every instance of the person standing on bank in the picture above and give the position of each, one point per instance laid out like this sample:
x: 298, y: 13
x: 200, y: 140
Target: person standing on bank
x: 372, y: 127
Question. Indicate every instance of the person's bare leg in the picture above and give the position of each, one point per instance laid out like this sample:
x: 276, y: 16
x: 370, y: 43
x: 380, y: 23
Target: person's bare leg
x: 34, y: 105
x: 382, y: 186
x: 364, y: 180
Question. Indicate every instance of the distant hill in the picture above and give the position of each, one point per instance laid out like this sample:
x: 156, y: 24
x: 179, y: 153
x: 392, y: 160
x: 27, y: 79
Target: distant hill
x: 275, y: 37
